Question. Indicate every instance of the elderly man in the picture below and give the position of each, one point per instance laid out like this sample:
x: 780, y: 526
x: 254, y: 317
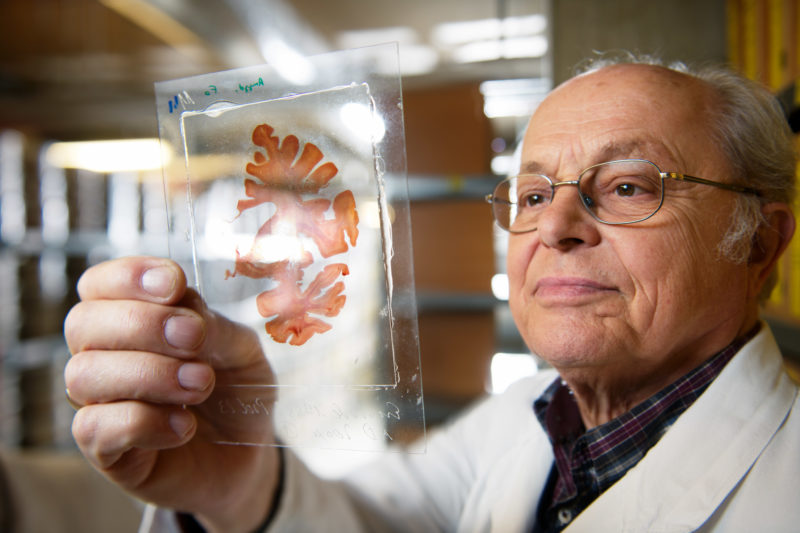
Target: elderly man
x: 644, y: 230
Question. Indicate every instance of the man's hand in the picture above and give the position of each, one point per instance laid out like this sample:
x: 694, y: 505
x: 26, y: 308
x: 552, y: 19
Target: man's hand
x: 144, y: 347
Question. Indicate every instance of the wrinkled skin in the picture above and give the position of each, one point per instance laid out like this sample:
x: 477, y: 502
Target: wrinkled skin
x: 622, y: 311
x: 137, y: 358
x: 619, y: 311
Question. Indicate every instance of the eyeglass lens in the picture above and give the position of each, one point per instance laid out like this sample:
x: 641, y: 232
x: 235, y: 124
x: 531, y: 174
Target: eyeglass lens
x: 617, y: 192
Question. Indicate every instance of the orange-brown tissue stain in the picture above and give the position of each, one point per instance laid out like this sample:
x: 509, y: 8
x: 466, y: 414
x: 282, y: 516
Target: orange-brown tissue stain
x: 286, y: 181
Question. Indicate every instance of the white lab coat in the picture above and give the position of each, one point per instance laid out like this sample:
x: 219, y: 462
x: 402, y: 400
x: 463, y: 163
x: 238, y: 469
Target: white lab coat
x: 730, y: 463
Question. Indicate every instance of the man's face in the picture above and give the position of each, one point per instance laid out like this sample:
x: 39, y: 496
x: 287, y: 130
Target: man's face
x: 628, y: 304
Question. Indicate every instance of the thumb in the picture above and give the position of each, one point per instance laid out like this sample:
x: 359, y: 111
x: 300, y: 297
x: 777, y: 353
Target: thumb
x: 239, y: 409
x: 232, y: 349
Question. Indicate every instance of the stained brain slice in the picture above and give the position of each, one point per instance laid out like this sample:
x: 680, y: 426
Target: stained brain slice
x: 295, y: 186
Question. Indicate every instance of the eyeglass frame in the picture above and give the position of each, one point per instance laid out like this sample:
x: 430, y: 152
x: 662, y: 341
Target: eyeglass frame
x: 490, y: 198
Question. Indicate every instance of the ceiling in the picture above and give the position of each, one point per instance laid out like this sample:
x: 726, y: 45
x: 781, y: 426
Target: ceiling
x: 80, y: 69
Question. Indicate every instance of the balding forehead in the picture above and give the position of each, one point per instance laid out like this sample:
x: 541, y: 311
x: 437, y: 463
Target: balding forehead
x: 659, y: 83
x: 619, y: 112
x: 643, y: 71
x: 610, y: 151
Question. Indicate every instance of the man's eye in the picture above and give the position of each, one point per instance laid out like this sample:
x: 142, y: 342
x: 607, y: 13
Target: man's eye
x: 625, y: 189
x: 631, y: 186
x: 532, y: 199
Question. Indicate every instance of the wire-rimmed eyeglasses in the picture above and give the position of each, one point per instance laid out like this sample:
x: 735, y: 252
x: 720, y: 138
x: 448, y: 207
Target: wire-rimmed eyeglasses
x: 623, y: 191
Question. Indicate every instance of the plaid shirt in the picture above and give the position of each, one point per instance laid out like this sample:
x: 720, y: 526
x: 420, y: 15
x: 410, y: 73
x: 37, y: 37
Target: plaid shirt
x: 589, y: 462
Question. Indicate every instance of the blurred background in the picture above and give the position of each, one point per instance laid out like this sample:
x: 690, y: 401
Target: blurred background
x: 472, y: 72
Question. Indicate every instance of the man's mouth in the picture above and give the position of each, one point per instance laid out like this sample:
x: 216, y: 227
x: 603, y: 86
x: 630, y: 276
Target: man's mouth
x: 569, y: 287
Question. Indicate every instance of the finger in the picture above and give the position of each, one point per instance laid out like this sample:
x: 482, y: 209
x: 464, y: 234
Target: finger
x: 150, y: 279
x: 105, y: 432
x: 72, y: 403
x: 134, y: 325
x: 235, y: 349
x: 99, y: 377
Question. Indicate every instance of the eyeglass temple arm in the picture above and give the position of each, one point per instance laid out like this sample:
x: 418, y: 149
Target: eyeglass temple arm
x: 726, y: 186
x: 491, y: 199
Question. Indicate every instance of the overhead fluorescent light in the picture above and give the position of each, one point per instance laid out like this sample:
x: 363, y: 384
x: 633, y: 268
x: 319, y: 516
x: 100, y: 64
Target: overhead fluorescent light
x: 516, y: 48
x: 290, y: 64
x: 535, y: 46
x: 513, y: 98
x: 125, y: 155
x: 478, y: 52
x: 404, y: 35
x: 415, y: 58
x: 516, y: 106
x: 522, y: 26
x: 457, y: 33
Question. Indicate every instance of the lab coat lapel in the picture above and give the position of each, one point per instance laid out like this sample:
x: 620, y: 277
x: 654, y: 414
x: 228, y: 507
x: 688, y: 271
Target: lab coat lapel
x: 515, y: 488
x: 710, y: 448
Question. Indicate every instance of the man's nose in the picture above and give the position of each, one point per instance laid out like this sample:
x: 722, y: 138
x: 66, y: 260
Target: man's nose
x: 566, y: 222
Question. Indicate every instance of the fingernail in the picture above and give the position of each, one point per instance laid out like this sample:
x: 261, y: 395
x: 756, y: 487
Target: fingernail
x: 184, y: 332
x: 158, y: 281
x: 181, y: 423
x: 194, y: 376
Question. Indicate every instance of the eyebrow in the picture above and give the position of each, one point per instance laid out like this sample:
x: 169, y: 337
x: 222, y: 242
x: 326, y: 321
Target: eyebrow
x: 632, y: 149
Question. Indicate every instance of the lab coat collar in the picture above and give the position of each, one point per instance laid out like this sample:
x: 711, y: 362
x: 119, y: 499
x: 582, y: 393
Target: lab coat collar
x: 682, y: 480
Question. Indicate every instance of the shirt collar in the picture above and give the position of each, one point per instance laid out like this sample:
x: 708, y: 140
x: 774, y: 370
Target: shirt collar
x: 600, y: 456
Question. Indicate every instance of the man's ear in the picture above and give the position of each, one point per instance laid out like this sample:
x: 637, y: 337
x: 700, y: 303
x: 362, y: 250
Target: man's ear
x: 770, y: 241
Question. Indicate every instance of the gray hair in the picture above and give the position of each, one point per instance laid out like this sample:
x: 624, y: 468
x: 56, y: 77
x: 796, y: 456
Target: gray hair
x: 750, y: 127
